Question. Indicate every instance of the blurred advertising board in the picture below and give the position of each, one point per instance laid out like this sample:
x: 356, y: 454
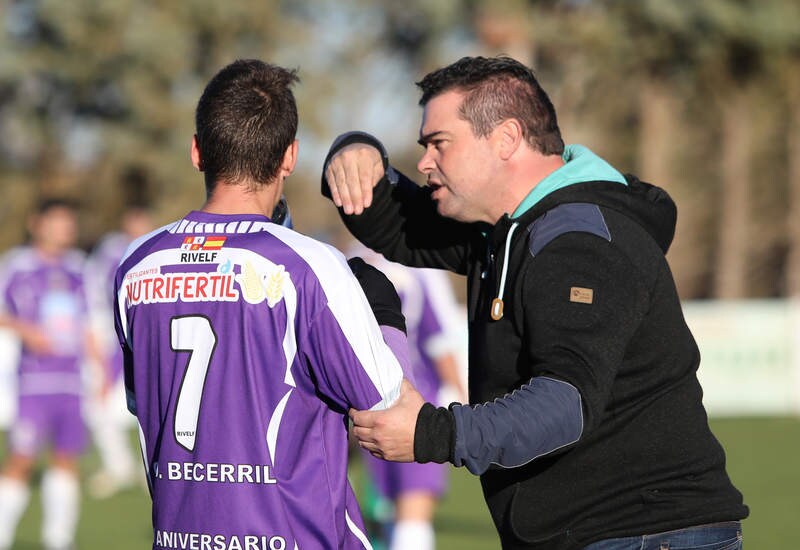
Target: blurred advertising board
x: 749, y: 355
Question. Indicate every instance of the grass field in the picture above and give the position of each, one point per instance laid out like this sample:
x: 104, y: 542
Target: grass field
x: 763, y: 460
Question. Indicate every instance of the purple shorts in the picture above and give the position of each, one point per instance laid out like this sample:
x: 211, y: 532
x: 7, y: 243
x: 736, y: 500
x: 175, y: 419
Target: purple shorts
x: 48, y: 418
x: 395, y: 478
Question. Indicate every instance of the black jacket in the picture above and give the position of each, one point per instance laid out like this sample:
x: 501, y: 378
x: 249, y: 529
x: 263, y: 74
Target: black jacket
x: 590, y: 303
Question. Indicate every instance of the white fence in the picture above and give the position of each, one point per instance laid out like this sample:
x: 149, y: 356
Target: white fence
x: 750, y: 355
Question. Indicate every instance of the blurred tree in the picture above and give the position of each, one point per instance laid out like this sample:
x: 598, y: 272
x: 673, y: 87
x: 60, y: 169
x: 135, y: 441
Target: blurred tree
x: 745, y: 36
x: 689, y: 95
x: 94, y: 88
x: 790, y: 70
x: 659, y: 53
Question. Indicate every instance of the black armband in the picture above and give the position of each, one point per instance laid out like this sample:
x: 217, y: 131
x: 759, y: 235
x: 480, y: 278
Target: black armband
x: 434, y: 435
x: 380, y: 293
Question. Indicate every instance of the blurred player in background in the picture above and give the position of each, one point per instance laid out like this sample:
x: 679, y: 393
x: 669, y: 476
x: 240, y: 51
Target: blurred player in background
x: 108, y: 418
x: 42, y: 300
x: 430, y: 309
x: 246, y: 343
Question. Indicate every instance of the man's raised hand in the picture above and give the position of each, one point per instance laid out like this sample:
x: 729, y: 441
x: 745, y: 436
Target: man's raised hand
x: 351, y: 174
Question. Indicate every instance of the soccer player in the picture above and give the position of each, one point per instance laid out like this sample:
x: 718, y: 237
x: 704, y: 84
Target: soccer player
x: 109, y: 421
x: 246, y: 343
x: 42, y: 300
x: 429, y: 308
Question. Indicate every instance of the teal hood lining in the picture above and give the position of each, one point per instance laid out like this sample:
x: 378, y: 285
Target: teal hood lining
x: 580, y: 164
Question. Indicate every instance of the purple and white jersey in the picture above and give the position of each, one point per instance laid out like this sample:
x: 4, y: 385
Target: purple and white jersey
x: 101, y: 267
x: 429, y: 307
x: 49, y: 293
x: 246, y: 343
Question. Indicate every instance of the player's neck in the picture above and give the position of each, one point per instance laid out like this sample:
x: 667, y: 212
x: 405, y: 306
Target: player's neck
x: 241, y: 199
x: 50, y: 254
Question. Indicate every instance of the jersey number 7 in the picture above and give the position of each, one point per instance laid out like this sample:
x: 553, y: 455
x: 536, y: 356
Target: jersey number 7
x: 194, y: 334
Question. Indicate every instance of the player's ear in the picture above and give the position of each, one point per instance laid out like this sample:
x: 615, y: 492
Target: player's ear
x: 197, y: 160
x: 289, y: 159
x: 509, y: 136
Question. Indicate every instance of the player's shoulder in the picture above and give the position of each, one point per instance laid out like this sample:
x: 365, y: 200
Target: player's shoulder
x: 15, y: 261
x: 110, y: 244
x: 18, y: 257
x: 312, y: 251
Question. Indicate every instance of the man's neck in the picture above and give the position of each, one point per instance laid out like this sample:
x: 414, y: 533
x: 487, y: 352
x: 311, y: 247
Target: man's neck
x: 522, y: 177
x: 240, y: 199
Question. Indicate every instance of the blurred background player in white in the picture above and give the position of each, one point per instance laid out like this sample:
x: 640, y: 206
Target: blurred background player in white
x: 108, y: 417
x: 431, y: 311
x: 42, y: 301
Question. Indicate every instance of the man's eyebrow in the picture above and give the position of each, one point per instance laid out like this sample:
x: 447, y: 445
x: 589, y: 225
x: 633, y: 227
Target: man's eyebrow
x: 426, y: 138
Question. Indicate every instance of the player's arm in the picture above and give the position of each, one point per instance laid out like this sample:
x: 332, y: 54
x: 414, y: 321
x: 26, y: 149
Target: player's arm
x: 449, y: 372
x: 346, y: 348
x: 386, y: 307
x: 392, y: 214
x: 30, y: 334
x: 97, y: 362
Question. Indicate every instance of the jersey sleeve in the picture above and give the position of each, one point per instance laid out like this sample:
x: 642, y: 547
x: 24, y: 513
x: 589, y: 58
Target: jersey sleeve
x: 351, y: 362
x: 121, y: 332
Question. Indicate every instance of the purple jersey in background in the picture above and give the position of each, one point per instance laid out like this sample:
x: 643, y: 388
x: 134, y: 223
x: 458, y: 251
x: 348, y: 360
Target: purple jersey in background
x: 430, y: 309
x: 246, y: 344
x: 48, y: 293
x: 101, y: 267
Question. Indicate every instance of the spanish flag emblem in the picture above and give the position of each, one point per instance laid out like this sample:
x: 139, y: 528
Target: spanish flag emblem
x: 214, y: 243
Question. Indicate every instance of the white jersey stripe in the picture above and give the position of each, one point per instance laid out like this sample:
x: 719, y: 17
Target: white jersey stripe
x: 274, y: 426
x: 356, y: 531
x: 357, y: 323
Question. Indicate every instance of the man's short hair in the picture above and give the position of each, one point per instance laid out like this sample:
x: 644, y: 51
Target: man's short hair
x: 245, y: 121
x: 497, y: 89
x: 45, y: 205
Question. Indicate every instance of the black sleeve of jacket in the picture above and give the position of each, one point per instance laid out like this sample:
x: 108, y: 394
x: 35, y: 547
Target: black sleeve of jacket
x: 380, y: 293
x: 402, y: 222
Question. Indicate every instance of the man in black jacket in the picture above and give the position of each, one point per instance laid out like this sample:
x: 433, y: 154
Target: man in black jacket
x: 586, y: 423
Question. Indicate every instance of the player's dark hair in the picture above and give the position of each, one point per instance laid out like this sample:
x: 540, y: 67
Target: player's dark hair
x: 245, y: 121
x: 497, y: 89
x: 44, y: 205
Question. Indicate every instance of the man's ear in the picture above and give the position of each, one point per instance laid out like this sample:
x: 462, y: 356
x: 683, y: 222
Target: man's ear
x: 509, y: 137
x: 197, y: 160
x: 289, y: 159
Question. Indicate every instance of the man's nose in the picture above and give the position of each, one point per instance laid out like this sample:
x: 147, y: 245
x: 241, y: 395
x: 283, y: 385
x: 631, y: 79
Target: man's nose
x: 425, y: 164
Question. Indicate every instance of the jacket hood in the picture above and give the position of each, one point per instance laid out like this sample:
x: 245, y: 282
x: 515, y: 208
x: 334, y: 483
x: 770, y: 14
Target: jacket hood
x: 646, y: 204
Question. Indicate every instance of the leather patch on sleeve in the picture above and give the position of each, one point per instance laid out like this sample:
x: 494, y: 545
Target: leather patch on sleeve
x: 581, y: 295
